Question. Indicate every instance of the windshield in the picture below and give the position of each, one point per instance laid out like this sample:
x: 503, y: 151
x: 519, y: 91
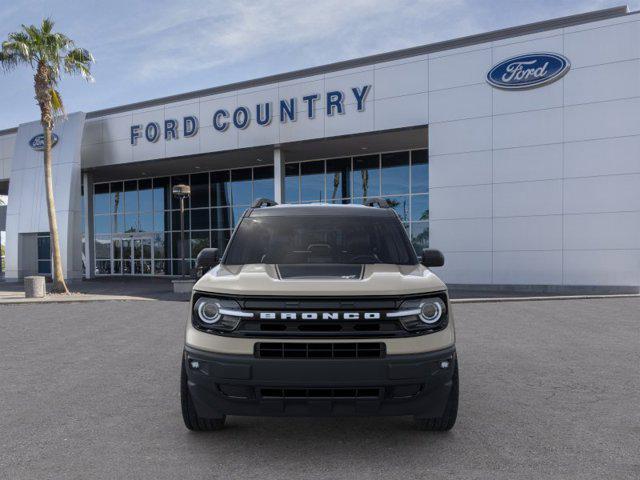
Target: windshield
x: 324, y: 239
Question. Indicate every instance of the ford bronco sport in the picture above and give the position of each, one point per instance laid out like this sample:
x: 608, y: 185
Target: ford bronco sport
x: 319, y: 310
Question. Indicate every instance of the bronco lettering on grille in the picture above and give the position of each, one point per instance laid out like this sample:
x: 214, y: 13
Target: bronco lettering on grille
x: 319, y: 316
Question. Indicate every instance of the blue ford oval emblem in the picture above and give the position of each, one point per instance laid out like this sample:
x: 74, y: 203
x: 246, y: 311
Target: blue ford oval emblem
x: 528, y: 71
x: 37, y: 142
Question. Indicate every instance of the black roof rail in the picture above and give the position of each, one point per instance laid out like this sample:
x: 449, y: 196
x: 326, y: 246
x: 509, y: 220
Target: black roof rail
x: 380, y: 202
x: 264, y: 202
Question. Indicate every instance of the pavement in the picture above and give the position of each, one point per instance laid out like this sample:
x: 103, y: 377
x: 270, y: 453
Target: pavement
x: 549, y: 390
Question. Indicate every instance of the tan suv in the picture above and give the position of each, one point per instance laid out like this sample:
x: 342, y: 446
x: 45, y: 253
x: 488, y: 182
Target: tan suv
x: 319, y: 310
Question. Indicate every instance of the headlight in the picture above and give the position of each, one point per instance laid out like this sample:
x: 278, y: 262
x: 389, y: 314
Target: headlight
x: 431, y: 311
x: 208, y: 310
x: 216, y: 315
x: 422, y: 314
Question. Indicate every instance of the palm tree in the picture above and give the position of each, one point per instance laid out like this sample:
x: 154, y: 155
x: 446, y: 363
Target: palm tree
x: 48, y: 54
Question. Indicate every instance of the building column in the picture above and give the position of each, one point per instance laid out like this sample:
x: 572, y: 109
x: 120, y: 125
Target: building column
x: 278, y: 175
x: 87, y: 205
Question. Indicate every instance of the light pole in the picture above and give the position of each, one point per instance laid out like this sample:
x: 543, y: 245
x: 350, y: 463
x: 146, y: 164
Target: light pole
x: 182, y: 192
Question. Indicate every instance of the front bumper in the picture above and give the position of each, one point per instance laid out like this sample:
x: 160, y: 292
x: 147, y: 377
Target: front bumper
x: 414, y: 384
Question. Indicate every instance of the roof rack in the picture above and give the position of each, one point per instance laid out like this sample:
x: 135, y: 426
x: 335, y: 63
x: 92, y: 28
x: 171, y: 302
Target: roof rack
x: 380, y: 202
x: 264, y: 202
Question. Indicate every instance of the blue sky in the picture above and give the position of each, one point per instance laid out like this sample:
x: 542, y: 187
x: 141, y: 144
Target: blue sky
x: 149, y: 49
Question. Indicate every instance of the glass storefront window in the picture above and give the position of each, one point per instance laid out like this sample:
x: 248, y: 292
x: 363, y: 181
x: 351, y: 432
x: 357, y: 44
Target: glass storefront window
x: 102, y: 224
x: 117, y: 192
x: 117, y: 223
x: 338, y: 179
x: 200, y: 190
x: 419, y: 171
x: 419, y: 207
x: 161, y: 194
x: 263, y: 182
x: 102, y: 247
x: 292, y: 182
x: 131, y: 196
x: 312, y: 181
x: 101, y: 199
x: 220, y: 218
x: 400, y: 205
x: 145, y: 195
x: 236, y: 214
x: 200, y: 219
x: 395, y: 173
x: 220, y: 189
x: 175, y: 220
x: 220, y: 198
x: 161, y: 221
x: 130, y: 223
x: 241, y: 193
x: 117, y: 249
x: 176, y: 242
x: 145, y: 221
x: 366, y: 176
x: 160, y: 242
x: 103, y: 267
x: 199, y: 240
x: 178, y: 180
x: 219, y: 239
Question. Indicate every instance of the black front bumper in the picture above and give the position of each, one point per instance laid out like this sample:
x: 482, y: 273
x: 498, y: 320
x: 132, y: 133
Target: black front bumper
x: 413, y: 384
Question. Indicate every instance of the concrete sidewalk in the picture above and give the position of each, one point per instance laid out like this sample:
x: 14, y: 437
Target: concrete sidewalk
x: 13, y: 298
x: 102, y: 289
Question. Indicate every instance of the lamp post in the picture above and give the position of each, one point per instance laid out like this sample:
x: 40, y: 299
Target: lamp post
x: 182, y: 192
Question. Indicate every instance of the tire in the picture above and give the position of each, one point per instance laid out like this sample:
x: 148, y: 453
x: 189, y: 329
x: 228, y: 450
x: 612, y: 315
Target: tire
x: 448, y: 418
x: 191, y: 419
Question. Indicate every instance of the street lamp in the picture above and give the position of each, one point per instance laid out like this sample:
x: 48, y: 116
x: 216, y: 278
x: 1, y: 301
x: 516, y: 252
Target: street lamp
x: 182, y: 192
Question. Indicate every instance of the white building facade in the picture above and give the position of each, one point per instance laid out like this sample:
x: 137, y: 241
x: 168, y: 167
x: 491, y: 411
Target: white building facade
x: 515, y: 152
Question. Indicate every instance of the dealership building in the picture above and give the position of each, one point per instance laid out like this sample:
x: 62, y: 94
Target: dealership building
x: 516, y: 152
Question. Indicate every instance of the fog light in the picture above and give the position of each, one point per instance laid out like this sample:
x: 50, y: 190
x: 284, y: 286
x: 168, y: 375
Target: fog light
x: 444, y: 364
x: 194, y: 364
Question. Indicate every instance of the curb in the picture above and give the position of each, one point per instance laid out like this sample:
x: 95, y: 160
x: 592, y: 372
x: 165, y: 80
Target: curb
x: 31, y: 301
x: 541, y: 299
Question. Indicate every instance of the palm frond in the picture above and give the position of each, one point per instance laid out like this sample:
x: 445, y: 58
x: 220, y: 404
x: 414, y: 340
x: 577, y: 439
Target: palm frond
x: 56, y: 101
x: 78, y: 61
x: 47, y: 25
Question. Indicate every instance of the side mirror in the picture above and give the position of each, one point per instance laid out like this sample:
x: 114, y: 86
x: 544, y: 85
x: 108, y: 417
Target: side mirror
x: 432, y: 258
x: 206, y: 260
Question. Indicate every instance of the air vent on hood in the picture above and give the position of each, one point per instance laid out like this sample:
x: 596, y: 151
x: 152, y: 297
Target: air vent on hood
x: 342, y: 272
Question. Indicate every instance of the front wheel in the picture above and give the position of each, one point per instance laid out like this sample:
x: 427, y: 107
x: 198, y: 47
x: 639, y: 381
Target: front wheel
x: 448, y: 418
x: 191, y: 419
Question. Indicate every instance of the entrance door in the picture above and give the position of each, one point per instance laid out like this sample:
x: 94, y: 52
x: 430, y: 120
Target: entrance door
x: 142, y: 256
x: 133, y: 255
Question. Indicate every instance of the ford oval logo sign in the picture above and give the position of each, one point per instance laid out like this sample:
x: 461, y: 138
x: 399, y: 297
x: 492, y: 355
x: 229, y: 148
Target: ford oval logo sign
x: 528, y: 71
x: 37, y: 142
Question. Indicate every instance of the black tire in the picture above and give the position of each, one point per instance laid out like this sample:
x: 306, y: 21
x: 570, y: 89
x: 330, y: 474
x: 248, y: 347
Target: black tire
x: 448, y: 418
x: 191, y: 419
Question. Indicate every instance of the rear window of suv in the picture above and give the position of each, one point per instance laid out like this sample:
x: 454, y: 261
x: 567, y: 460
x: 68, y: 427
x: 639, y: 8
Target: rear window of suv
x: 326, y: 239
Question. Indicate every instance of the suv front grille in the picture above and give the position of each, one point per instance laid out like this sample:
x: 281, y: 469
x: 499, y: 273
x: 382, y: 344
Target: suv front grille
x: 320, y: 350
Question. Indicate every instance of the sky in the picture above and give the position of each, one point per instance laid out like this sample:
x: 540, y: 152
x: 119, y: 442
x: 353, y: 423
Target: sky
x: 148, y: 49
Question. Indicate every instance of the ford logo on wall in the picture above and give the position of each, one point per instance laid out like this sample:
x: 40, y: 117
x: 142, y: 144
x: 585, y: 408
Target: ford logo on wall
x: 528, y: 71
x: 37, y: 142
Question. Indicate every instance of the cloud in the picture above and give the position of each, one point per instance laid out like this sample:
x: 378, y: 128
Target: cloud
x: 202, y: 35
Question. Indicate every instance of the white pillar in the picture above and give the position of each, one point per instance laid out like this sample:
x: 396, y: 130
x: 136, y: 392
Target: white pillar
x: 87, y: 205
x: 278, y: 175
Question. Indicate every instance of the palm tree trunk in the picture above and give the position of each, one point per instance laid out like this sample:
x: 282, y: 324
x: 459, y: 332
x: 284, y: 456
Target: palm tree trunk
x: 59, y: 285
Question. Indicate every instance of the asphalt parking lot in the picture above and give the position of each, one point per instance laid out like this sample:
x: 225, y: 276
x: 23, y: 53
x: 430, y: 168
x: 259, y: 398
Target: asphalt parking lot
x: 549, y: 389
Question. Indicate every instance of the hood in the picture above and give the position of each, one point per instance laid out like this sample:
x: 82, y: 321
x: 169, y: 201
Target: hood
x: 319, y: 280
